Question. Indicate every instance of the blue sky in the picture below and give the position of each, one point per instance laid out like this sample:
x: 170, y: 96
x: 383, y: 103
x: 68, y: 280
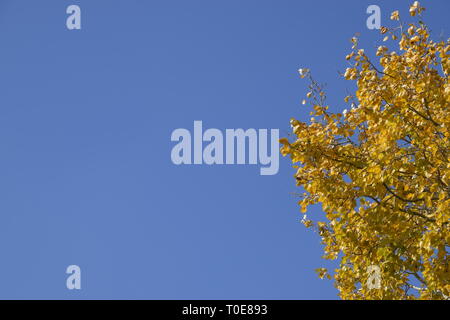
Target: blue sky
x: 86, y: 117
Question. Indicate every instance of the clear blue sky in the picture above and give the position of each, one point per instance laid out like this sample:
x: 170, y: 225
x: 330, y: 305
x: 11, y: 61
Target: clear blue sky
x: 85, y: 122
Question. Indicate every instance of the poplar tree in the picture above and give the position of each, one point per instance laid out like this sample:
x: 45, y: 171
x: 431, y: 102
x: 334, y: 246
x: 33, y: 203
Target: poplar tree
x: 381, y: 169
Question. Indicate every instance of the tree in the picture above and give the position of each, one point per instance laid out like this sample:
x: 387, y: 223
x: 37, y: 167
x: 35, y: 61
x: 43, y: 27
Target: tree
x: 381, y: 170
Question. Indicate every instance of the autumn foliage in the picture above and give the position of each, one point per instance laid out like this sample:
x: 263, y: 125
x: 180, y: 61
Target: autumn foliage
x: 381, y: 170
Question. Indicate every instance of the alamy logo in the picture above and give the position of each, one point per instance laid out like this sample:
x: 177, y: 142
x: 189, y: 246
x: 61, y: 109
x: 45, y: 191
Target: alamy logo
x: 236, y: 143
x: 73, y: 21
x: 74, y: 280
x: 374, y: 279
x: 374, y: 20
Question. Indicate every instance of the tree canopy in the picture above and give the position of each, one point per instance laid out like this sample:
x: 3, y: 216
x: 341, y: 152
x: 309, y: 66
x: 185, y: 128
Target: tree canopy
x: 381, y: 169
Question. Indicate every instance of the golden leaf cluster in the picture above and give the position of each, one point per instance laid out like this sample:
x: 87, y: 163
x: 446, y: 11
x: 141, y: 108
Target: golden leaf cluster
x: 381, y: 169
